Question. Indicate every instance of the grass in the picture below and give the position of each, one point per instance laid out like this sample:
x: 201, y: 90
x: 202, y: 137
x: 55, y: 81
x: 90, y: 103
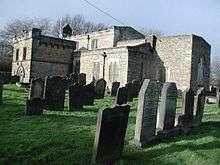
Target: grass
x: 67, y: 137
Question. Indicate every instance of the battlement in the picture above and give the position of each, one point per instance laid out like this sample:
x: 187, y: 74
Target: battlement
x: 27, y: 35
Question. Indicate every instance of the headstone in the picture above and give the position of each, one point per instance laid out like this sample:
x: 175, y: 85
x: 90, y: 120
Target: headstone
x: 76, y: 97
x: 188, y: 104
x: 167, y: 112
x: 136, y: 87
x: 1, y: 90
x: 146, y: 114
x: 131, y: 91
x: 110, y: 133
x: 89, y: 94
x: 218, y: 99
x: 115, y: 86
x: 199, y: 102
x: 36, y: 88
x: 34, y: 106
x: 122, y: 96
x: 73, y: 78
x: 82, y: 79
x: 100, y: 86
x: 54, y: 93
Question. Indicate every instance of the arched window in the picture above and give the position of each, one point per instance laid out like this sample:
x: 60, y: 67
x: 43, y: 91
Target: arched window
x: 113, y: 72
x: 24, y: 53
x: 96, y: 70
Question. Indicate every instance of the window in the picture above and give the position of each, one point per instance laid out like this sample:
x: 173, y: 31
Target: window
x: 96, y: 70
x: 113, y: 72
x: 17, y: 54
x: 24, y: 53
x: 94, y: 44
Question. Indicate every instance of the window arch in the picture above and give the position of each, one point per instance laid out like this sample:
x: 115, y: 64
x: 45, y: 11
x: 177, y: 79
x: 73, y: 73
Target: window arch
x: 113, y: 72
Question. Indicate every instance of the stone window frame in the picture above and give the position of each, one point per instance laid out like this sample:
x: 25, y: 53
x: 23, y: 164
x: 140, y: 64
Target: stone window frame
x: 17, y: 55
x: 96, y: 70
x: 94, y: 43
x: 113, y: 72
x: 24, y: 53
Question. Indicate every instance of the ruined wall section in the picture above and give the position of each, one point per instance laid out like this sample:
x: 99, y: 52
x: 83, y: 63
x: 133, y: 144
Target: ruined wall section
x: 176, y: 53
x: 200, y: 49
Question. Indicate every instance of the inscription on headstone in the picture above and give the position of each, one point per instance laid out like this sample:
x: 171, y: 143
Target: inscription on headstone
x: 54, y: 93
x: 122, y: 96
x: 167, y: 109
x: 188, y: 104
x: 110, y: 133
x: 100, y: 86
x: 36, y: 88
x: 76, y: 97
x: 115, y: 86
x: 146, y: 114
x: 199, y: 102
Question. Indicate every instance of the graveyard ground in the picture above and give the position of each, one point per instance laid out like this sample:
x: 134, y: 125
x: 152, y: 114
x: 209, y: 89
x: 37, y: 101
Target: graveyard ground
x: 67, y: 137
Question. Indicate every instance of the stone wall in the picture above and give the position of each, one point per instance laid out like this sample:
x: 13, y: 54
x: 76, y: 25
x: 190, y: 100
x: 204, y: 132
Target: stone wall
x: 114, y: 55
x: 201, y: 49
x: 176, y: 53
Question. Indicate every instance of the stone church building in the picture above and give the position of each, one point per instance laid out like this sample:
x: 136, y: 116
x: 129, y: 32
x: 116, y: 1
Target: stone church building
x: 116, y: 54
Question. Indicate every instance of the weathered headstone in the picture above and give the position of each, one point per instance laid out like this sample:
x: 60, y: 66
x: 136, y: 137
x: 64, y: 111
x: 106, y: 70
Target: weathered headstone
x: 76, y: 97
x: 167, y: 111
x: 82, y: 79
x: 110, y: 133
x: 89, y: 94
x: 73, y: 78
x: 218, y: 99
x: 36, y: 89
x: 1, y: 90
x: 54, y: 93
x: 100, y: 86
x: 115, y: 86
x: 131, y: 91
x: 34, y: 106
x: 199, y: 102
x: 122, y: 96
x: 146, y: 114
x: 136, y: 87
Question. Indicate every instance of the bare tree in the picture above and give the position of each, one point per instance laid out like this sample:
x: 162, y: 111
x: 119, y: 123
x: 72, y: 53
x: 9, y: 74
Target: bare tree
x: 78, y: 24
x: 151, y: 31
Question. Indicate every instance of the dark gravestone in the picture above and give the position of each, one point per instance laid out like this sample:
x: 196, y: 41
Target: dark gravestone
x: 131, y: 91
x: 34, y: 106
x: 115, y: 86
x: 199, y: 102
x: 73, y: 78
x: 122, y: 96
x: 218, y: 99
x: 187, y: 108
x: 76, y: 97
x: 146, y: 114
x: 110, y: 133
x: 36, y: 89
x: 1, y: 90
x: 89, y: 94
x: 136, y: 87
x: 167, y: 111
x: 54, y: 93
x: 100, y: 86
x: 82, y: 79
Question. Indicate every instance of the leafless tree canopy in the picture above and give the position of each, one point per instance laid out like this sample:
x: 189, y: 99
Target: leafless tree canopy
x: 215, y: 71
x: 78, y: 24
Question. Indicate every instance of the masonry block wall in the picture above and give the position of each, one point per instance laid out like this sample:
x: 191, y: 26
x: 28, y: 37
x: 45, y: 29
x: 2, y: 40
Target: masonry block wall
x: 176, y: 54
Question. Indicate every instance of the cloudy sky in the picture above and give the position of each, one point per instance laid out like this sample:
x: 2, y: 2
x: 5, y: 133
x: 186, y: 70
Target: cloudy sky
x: 200, y: 17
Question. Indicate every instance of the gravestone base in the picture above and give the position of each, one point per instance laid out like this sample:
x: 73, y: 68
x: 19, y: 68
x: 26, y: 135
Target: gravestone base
x: 34, y: 107
x: 166, y: 134
x: 196, y: 122
x: 144, y: 143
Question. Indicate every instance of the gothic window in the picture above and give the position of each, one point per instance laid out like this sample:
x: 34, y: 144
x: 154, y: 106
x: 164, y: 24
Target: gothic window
x: 113, y: 72
x: 94, y: 44
x: 24, y: 53
x: 200, y: 73
x: 96, y: 70
x: 162, y: 76
x: 17, y: 54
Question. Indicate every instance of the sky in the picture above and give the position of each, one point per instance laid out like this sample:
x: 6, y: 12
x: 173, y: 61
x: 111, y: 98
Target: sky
x: 172, y: 17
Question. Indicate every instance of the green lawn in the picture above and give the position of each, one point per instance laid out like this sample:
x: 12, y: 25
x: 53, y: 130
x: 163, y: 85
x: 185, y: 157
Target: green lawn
x: 67, y: 137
